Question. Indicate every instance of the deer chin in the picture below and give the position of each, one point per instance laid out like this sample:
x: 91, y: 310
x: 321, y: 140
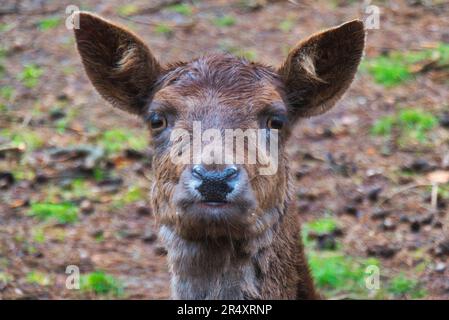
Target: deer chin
x: 197, y: 219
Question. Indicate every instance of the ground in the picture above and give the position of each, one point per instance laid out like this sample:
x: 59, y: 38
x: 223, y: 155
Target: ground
x: 371, y: 176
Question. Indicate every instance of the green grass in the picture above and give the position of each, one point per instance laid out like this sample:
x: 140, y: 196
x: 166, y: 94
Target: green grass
x: 60, y: 212
x: 224, y: 21
x: 163, y: 28
x: 30, y: 75
x: 131, y: 195
x: 127, y: 9
x: 411, y: 124
x: 396, y: 67
x: 7, y: 92
x: 337, y: 273
x: 23, y: 139
x: 116, y: 140
x: 286, y: 25
x: 4, y: 27
x: 402, y: 286
x: 321, y: 226
x: 5, y: 278
x: 181, y: 8
x: 38, y: 278
x: 49, y: 23
x: 38, y: 234
x: 101, y: 283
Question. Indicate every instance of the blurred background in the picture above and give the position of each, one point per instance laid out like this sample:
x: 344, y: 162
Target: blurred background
x: 372, y: 175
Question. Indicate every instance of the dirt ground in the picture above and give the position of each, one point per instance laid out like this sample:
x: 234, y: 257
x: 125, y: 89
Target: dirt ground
x: 379, y: 193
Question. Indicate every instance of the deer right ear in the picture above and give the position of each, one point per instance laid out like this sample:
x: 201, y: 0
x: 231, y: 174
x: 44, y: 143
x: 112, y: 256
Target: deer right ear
x: 117, y: 62
x: 319, y: 69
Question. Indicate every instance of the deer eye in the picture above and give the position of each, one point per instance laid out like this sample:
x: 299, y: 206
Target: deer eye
x: 157, y: 121
x: 275, y: 122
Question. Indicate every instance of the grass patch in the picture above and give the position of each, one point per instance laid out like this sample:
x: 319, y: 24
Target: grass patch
x: 116, y: 140
x: 224, y: 21
x: 286, y: 25
x: 4, y: 27
x: 334, y: 272
x: 181, y: 8
x: 101, y: 283
x: 131, y: 195
x: 337, y: 273
x: 7, y: 92
x: 321, y: 226
x: 23, y: 139
x: 397, y: 67
x: 127, y: 9
x: 60, y: 212
x: 411, y: 125
x: 5, y: 278
x: 163, y: 28
x: 38, y: 278
x: 30, y: 75
x: 49, y: 23
x: 38, y: 234
x: 402, y: 286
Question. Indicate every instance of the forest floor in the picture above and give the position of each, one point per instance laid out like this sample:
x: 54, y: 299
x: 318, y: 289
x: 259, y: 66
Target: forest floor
x: 372, y: 175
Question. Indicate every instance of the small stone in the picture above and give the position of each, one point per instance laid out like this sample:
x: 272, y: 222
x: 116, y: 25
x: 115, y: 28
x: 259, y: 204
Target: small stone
x: 415, y: 226
x: 149, y: 237
x: 442, y: 248
x: 373, y: 194
x: 144, y: 210
x: 388, y: 225
x: 380, y: 214
x: 437, y: 225
x: 86, y: 207
x: 160, y: 250
x: 134, y: 154
x: 440, y: 267
x: 41, y: 178
x: 383, y: 251
x: 403, y: 218
x: 57, y: 114
x: 358, y: 199
x: 419, y: 165
x: 63, y: 97
x: 351, y: 210
x: 97, y: 234
x: 6, y: 179
x: 444, y: 120
x: 326, y: 242
x: 427, y: 219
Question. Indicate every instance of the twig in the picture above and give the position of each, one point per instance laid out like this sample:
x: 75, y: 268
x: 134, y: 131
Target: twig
x: 402, y: 190
x: 157, y: 7
x: 187, y: 25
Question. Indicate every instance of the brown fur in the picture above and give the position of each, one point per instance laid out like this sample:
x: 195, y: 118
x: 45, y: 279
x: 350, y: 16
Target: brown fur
x: 255, y: 253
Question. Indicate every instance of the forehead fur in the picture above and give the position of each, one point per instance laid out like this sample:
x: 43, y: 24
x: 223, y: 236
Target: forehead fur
x: 221, y: 72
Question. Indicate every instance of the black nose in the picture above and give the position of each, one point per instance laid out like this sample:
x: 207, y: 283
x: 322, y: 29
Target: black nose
x: 215, y: 185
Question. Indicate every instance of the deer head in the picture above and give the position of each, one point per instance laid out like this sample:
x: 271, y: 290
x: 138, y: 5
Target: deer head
x: 213, y: 200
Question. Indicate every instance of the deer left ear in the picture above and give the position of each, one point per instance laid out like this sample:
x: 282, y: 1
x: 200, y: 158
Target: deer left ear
x: 319, y: 69
x: 117, y: 62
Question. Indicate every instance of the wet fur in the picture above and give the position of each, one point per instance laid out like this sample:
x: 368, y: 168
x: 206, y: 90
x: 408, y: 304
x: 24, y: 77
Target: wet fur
x: 259, y: 255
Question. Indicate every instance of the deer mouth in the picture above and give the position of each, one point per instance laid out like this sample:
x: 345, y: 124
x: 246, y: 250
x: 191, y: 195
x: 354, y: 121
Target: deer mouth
x: 214, y: 204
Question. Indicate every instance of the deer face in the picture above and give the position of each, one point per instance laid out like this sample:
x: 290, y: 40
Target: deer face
x: 206, y: 184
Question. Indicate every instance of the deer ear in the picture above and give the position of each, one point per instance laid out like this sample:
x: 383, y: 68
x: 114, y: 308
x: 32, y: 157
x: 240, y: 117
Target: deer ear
x: 319, y: 69
x: 117, y: 62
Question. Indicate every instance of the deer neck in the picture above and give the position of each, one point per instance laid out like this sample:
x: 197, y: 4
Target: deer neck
x: 227, y: 268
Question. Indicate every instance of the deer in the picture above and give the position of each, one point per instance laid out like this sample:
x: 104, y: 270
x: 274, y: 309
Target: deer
x: 230, y: 232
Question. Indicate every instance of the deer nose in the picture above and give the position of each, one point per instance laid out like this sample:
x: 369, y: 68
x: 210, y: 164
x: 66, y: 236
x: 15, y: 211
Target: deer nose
x: 215, y: 185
